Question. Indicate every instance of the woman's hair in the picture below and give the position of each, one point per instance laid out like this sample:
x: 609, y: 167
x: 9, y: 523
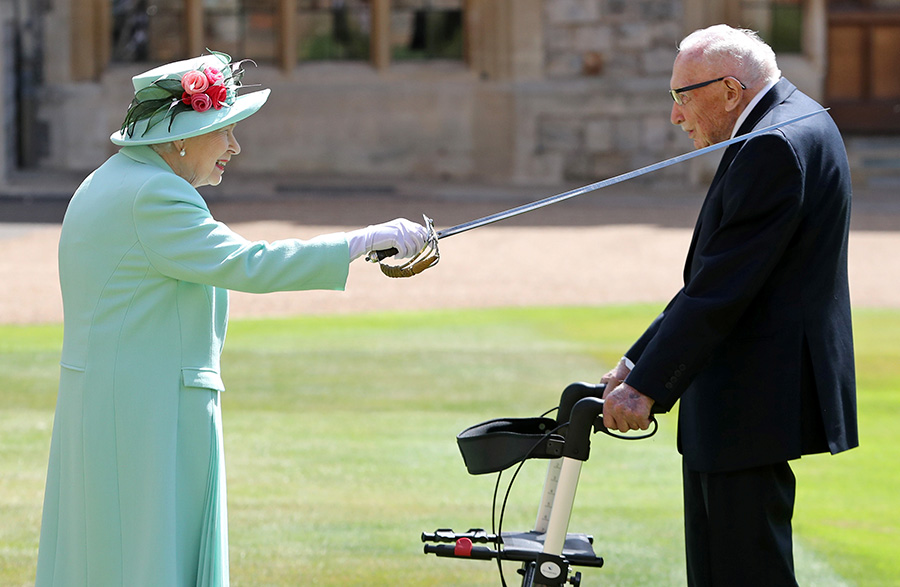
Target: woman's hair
x: 737, y: 52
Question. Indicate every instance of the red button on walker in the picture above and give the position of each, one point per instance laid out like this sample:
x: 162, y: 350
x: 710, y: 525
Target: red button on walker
x: 463, y: 547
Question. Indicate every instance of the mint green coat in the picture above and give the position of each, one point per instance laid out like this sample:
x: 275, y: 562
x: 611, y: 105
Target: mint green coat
x: 135, y: 490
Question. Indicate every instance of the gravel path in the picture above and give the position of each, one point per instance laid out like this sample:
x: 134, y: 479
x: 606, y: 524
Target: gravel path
x: 623, y: 247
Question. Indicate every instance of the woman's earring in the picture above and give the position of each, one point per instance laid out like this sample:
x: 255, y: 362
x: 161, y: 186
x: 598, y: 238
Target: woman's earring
x: 182, y: 152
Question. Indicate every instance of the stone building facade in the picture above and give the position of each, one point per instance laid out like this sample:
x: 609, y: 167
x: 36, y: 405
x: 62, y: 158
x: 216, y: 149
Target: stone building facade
x: 541, y: 91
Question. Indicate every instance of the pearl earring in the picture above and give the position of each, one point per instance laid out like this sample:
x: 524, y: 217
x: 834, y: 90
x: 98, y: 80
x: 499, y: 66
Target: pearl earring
x: 182, y: 152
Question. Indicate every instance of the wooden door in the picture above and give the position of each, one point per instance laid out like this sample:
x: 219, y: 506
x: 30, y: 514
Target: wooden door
x: 863, y: 80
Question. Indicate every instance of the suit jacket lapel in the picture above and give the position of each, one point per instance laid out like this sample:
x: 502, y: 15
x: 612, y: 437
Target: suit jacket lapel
x: 779, y: 92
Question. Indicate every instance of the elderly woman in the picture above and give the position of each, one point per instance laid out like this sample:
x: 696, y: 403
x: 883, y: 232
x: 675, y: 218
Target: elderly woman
x: 135, y: 490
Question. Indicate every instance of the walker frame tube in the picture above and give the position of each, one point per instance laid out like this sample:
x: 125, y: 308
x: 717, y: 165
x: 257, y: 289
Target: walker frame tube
x: 571, y: 395
x: 561, y: 513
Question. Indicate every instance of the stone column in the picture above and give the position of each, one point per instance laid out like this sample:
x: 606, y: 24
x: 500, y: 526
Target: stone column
x: 380, y: 40
x: 287, y: 35
x: 193, y: 27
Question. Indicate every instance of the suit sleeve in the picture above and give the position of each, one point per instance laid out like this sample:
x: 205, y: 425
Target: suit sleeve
x: 762, y: 196
x: 183, y: 241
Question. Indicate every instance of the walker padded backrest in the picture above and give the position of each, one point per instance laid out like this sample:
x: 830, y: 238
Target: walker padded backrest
x: 496, y: 445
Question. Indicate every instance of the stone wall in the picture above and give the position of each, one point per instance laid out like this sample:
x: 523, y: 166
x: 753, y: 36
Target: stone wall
x: 598, y: 108
x: 604, y: 108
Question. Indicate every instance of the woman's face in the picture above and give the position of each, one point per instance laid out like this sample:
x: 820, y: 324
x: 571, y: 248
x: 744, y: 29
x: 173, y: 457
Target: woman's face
x: 206, y: 156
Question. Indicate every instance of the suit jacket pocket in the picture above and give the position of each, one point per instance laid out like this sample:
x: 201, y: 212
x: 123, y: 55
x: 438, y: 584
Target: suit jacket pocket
x: 203, y: 378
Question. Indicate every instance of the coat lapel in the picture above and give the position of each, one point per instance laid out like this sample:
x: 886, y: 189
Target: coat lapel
x: 779, y: 92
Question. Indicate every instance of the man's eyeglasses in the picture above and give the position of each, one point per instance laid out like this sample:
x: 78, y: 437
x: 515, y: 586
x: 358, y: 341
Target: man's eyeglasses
x: 676, y: 94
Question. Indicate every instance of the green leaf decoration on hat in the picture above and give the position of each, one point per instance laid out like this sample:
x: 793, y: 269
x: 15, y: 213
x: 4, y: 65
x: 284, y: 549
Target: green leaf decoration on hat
x: 172, y: 86
x: 163, y: 97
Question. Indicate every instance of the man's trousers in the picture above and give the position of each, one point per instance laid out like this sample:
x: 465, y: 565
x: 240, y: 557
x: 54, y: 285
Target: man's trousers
x: 738, y: 527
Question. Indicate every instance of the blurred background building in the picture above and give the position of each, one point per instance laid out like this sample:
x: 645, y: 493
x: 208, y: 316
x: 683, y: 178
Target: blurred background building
x: 496, y: 91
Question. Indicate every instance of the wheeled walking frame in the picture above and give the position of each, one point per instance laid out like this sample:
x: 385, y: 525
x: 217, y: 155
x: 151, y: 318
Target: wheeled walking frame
x: 548, y: 552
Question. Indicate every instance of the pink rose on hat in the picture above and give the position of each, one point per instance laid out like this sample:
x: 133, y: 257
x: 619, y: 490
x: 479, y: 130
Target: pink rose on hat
x: 204, y: 89
x: 201, y: 102
x: 194, y: 82
x: 214, y: 75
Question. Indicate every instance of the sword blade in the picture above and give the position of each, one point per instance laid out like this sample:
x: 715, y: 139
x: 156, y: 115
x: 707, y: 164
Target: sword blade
x: 612, y: 181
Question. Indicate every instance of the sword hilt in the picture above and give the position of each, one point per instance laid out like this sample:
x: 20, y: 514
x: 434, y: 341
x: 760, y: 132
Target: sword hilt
x: 381, y: 255
x: 378, y: 256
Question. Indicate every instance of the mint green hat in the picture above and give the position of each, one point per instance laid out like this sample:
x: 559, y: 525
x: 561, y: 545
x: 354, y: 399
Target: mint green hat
x: 186, y: 99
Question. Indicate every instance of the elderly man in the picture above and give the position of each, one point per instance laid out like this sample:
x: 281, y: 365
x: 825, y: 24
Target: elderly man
x: 757, y: 345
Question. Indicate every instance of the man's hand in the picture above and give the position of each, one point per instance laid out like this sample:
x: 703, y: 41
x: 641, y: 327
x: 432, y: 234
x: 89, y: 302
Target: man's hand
x: 625, y: 408
x: 616, y: 376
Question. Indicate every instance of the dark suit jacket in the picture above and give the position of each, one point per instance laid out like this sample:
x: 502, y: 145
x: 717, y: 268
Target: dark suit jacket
x: 758, y: 343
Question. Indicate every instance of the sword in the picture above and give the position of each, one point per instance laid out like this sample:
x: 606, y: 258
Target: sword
x: 378, y: 256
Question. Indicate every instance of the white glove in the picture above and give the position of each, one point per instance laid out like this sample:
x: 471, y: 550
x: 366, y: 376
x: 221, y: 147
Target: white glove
x: 404, y: 235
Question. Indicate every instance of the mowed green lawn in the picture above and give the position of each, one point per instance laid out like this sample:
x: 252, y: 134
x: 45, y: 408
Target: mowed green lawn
x: 340, y: 446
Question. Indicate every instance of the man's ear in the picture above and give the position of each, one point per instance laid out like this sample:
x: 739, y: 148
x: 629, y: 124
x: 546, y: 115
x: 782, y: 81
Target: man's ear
x: 734, y: 93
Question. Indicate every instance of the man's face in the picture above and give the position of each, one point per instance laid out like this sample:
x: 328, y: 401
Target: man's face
x: 703, y: 113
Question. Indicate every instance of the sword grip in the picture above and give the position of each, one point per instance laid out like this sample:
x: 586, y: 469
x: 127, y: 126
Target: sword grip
x: 376, y: 256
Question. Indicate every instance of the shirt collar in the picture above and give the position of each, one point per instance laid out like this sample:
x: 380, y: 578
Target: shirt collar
x: 746, y: 112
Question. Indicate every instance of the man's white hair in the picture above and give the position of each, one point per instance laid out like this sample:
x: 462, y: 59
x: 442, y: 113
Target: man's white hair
x: 737, y: 52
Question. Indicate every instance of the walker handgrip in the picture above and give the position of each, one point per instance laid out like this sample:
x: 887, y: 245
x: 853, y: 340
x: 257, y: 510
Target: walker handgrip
x: 575, y: 392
